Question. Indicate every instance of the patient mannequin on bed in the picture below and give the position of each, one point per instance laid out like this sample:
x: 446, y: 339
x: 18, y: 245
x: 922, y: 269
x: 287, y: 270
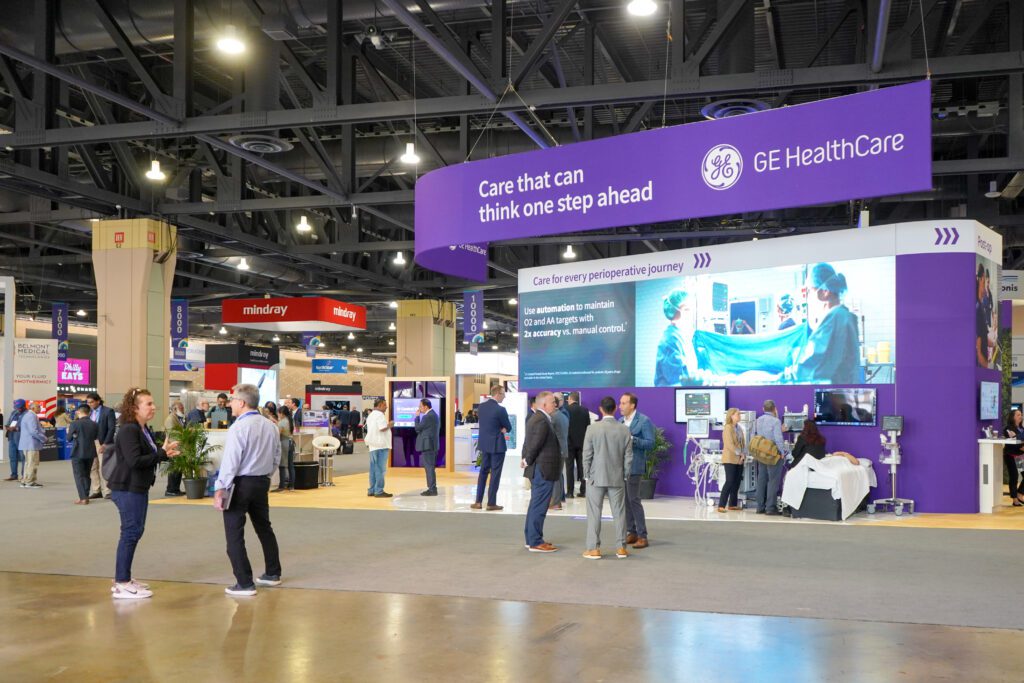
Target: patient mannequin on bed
x: 843, y: 454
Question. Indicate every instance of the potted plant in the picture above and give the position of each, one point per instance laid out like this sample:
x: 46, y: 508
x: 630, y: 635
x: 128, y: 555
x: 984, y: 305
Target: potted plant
x: 193, y: 459
x: 656, y: 457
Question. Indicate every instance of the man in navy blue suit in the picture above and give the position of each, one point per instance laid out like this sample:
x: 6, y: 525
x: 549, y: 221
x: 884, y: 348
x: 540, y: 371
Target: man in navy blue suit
x: 494, y: 425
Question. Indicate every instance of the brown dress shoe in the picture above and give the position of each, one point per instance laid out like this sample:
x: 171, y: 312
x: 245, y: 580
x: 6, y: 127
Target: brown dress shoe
x: 492, y: 508
x: 475, y: 506
x: 640, y: 543
x: 734, y: 507
x: 631, y: 539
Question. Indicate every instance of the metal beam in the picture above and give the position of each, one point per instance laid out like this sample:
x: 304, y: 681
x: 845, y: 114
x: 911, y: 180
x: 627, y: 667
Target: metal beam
x: 965, y: 66
x: 722, y: 25
x: 124, y: 46
x: 541, y: 41
x: 285, y: 203
x: 881, y: 35
x: 980, y: 18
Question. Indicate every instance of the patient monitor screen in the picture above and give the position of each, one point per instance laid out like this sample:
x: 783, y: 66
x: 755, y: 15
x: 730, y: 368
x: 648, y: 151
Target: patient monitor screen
x: 698, y: 428
x: 844, y: 407
x: 706, y: 403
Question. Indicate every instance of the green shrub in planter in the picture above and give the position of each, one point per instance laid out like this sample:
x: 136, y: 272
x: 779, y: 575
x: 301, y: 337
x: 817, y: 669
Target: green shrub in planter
x: 656, y: 457
x: 194, y: 455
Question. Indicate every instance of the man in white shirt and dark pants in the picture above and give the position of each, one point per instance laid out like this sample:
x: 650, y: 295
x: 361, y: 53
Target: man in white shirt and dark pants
x: 252, y: 452
x: 378, y: 440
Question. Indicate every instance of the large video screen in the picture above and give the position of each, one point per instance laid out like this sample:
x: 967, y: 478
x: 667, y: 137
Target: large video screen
x: 404, y: 411
x: 814, y: 323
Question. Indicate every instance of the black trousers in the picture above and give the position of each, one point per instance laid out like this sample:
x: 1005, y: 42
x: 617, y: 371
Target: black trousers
x: 574, y: 471
x: 1009, y: 462
x: 730, y: 492
x: 83, y: 480
x: 250, y: 498
x: 174, y: 482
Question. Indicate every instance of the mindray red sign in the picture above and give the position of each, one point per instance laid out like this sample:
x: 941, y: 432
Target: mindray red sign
x: 301, y: 314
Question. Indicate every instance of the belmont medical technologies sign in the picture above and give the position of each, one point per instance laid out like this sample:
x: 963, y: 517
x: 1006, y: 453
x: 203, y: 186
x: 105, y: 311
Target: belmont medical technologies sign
x: 865, y: 145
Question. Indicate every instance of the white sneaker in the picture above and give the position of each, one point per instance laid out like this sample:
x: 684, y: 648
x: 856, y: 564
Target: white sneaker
x: 137, y: 584
x: 128, y: 591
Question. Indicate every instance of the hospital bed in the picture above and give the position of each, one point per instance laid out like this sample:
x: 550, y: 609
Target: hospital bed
x: 830, y: 489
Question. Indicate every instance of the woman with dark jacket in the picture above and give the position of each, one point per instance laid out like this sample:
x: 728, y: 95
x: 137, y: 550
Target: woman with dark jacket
x: 133, y: 476
x: 810, y: 442
x: 1014, y: 429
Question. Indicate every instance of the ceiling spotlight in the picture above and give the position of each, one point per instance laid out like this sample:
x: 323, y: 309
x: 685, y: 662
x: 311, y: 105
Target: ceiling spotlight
x: 391, y: 342
x: 230, y: 42
x: 391, y: 327
x: 464, y: 342
x: 399, y: 260
x: 154, y: 172
x: 276, y: 339
x: 494, y: 347
x: 515, y: 334
x: 485, y: 324
x: 81, y: 313
x: 642, y: 8
x: 410, y: 156
x: 993, y: 190
x: 513, y: 301
x: 394, y: 304
x: 243, y: 264
x: 351, y: 336
x: 223, y: 330
x: 359, y: 350
x: 303, y: 225
x: 569, y: 253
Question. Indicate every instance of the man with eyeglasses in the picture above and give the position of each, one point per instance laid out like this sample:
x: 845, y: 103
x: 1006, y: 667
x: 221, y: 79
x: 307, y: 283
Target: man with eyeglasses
x: 252, y: 451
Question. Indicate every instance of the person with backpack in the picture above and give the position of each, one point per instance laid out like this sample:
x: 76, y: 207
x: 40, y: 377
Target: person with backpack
x: 130, y: 471
x: 769, y: 477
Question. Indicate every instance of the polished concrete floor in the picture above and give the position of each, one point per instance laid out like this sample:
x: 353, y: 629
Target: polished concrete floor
x: 58, y: 628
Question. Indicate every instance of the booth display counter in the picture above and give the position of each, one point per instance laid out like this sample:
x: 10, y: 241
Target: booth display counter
x: 465, y: 444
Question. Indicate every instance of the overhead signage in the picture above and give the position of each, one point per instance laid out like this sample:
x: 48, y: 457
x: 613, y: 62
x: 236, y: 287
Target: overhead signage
x: 864, y: 145
x: 59, y: 324
x: 299, y: 314
x: 472, y: 315
x: 195, y: 356
x: 310, y: 342
x: 242, y: 354
x: 1011, y: 285
x: 73, y: 371
x: 330, y: 366
x: 179, y: 330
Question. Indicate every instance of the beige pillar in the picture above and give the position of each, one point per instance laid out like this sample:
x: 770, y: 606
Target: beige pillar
x: 426, y: 339
x: 134, y: 264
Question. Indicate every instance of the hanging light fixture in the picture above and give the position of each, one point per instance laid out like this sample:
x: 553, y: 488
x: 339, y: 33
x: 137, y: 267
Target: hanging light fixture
x: 391, y: 342
x: 410, y: 157
x: 276, y: 339
x: 394, y: 304
x: 391, y: 327
x: 81, y: 313
x: 515, y: 334
x: 359, y: 350
x: 569, y: 253
x: 243, y: 264
x: 494, y: 347
x: 154, y: 172
x: 485, y: 324
x: 351, y: 336
x: 223, y: 330
x: 993, y: 190
x: 303, y: 224
x: 399, y: 260
x: 642, y: 8
x: 513, y: 301
x: 230, y: 42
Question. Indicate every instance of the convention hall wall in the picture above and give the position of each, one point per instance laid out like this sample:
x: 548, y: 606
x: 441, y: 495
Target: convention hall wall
x: 914, y: 288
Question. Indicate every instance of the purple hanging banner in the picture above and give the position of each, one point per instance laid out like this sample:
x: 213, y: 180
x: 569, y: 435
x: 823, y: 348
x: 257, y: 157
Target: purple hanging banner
x: 310, y: 341
x: 472, y: 316
x: 59, y: 327
x: 179, y: 329
x: 869, y: 144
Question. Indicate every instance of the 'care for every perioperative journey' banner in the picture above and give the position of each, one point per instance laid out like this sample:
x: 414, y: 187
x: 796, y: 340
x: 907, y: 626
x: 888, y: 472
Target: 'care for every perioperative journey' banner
x: 809, y: 309
x: 865, y: 145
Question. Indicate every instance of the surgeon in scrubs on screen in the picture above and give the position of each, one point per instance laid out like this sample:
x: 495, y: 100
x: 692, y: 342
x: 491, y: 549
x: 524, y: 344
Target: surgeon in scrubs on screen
x: 832, y: 352
x: 785, y: 311
x: 677, y: 360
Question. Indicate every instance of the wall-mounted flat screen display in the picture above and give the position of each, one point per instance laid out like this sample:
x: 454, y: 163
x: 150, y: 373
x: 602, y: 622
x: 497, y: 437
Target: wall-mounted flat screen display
x: 988, y: 407
x: 700, y: 403
x: 404, y: 411
x: 846, y: 406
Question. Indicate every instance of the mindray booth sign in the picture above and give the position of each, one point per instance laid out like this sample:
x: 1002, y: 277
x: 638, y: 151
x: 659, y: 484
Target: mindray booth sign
x: 299, y: 314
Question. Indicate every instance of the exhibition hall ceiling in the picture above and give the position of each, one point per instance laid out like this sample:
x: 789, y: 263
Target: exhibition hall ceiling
x: 309, y: 124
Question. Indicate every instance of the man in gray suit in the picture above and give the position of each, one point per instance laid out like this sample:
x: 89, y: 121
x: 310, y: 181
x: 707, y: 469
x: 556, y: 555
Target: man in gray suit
x: 560, y: 421
x: 607, y: 458
x: 428, y: 429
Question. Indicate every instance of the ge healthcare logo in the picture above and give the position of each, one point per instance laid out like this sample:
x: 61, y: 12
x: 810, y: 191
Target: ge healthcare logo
x: 722, y: 167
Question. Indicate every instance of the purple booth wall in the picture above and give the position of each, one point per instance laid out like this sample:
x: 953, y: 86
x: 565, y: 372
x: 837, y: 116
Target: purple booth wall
x: 936, y: 392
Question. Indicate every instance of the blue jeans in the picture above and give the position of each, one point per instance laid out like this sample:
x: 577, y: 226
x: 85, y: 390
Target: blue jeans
x: 540, y: 496
x: 490, y: 463
x: 133, y: 507
x: 378, y: 463
x: 14, y: 456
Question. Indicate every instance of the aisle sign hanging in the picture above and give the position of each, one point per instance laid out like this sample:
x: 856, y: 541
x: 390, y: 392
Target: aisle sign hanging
x: 869, y: 144
x: 59, y: 327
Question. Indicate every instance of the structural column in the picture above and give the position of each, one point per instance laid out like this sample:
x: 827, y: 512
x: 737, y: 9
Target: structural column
x: 134, y: 265
x: 426, y: 339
